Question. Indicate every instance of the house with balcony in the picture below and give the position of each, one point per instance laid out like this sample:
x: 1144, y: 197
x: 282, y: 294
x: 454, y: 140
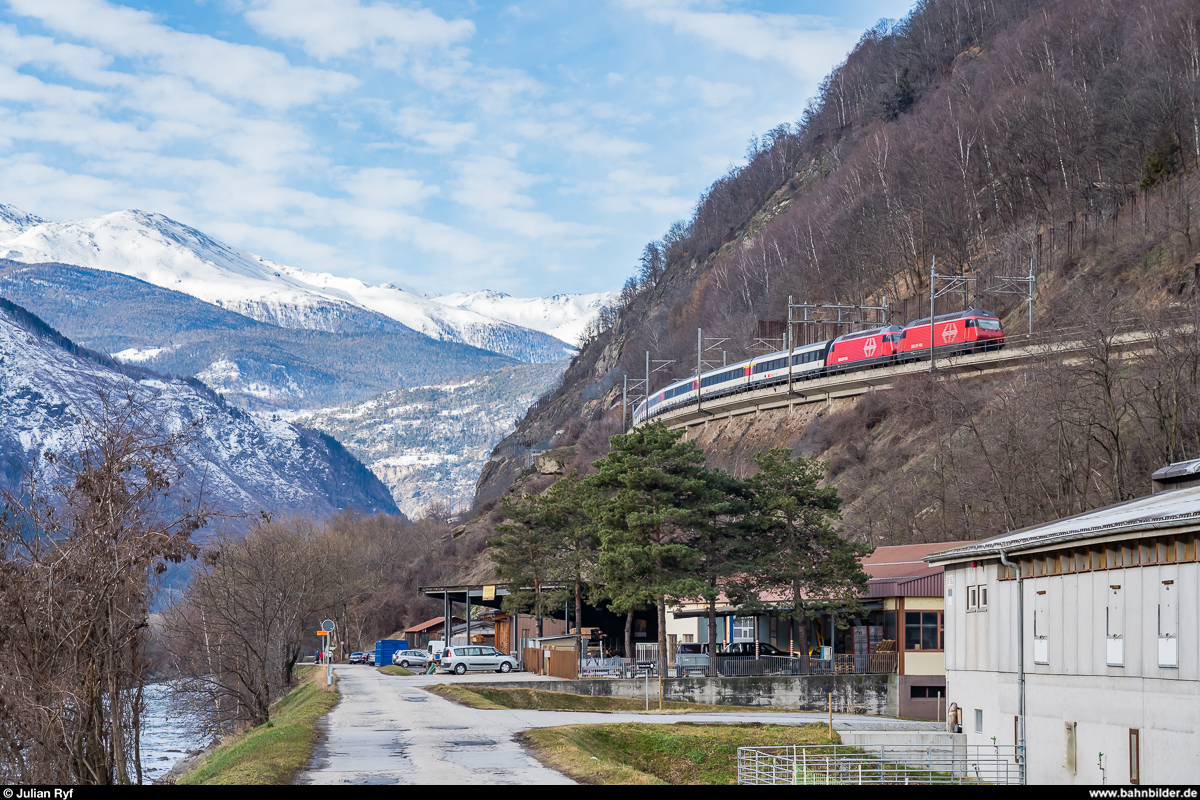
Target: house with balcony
x: 900, y: 632
x: 1079, y: 639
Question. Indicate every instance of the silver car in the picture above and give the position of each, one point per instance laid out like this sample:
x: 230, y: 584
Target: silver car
x: 460, y: 658
x: 410, y: 658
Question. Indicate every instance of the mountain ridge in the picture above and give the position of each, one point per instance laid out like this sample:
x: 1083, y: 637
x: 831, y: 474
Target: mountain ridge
x: 159, y: 250
x: 245, y: 463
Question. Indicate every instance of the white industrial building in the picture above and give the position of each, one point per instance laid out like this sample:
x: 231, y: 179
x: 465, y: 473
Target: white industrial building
x: 1110, y: 640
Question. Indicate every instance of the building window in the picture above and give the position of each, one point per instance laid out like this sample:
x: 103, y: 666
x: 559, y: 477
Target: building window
x: 1114, y: 628
x: 1168, y: 625
x: 1041, y: 628
x: 922, y: 630
x: 983, y: 598
x: 972, y: 598
x: 743, y: 629
x: 979, y: 720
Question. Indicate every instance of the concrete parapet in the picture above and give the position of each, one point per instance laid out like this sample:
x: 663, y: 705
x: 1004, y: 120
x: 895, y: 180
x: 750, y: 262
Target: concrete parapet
x: 852, y: 694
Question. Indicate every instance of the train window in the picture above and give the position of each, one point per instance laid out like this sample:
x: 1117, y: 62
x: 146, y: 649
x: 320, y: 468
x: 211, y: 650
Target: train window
x: 988, y: 324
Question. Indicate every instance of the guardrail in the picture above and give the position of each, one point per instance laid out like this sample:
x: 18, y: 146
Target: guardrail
x: 890, y: 764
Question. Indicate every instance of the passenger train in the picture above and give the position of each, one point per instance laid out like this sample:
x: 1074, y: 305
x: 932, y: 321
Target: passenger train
x: 962, y: 332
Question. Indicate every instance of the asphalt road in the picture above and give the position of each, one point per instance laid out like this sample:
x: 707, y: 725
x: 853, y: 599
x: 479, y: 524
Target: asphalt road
x: 388, y: 730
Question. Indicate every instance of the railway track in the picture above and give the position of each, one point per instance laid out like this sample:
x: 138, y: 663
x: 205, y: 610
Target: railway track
x: 1018, y: 350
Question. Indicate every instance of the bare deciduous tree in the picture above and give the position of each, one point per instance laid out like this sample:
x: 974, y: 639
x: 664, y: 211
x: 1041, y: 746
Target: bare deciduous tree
x: 80, y: 544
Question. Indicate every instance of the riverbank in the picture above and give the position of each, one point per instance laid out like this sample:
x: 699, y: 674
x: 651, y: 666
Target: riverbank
x: 274, y: 753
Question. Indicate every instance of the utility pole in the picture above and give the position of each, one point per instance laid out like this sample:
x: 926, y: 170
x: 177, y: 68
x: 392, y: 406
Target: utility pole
x: 932, y: 296
x: 790, y: 342
x: 699, y: 358
x: 956, y: 283
x: 1013, y: 285
x: 624, y: 403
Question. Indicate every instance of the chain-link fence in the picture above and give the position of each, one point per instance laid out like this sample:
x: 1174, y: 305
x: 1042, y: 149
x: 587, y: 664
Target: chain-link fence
x: 892, y: 764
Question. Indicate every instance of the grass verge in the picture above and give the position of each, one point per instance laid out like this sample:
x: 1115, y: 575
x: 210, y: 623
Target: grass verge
x: 392, y: 669
x: 273, y: 753
x: 488, y: 697
x: 682, y: 754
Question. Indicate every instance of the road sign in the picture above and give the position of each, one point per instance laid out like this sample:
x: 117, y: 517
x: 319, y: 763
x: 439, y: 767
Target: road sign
x: 489, y: 592
x: 322, y: 633
x: 328, y: 625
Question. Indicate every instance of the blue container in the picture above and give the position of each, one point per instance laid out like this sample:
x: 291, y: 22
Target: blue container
x: 385, y: 648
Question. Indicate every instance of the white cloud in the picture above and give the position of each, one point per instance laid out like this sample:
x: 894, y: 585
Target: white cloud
x: 438, y: 135
x: 494, y: 186
x: 239, y: 71
x: 717, y: 94
x: 575, y: 138
x: 392, y: 188
x: 806, y: 45
x: 331, y: 28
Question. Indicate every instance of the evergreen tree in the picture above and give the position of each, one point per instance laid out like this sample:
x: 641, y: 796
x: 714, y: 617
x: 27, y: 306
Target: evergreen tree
x: 523, y: 553
x: 657, y: 494
x: 577, y: 544
x: 800, y: 557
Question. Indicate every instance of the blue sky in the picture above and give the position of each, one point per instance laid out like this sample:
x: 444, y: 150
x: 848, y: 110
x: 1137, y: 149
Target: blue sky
x: 530, y: 147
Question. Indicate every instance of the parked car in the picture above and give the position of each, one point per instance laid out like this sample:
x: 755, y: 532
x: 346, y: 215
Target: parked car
x: 747, y: 649
x: 460, y: 658
x: 691, y: 658
x: 410, y: 658
x: 371, y: 657
x: 358, y: 658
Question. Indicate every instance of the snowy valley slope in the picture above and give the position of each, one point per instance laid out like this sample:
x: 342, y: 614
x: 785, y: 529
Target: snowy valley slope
x: 49, y: 388
x: 429, y: 444
x: 169, y: 254
x: 253, y: 364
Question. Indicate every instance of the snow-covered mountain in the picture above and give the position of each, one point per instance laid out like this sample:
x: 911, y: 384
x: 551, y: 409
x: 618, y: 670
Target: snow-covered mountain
x: 49, y: 388
x: 563, y: 316
x: 429, y: 444
x: 169, y: 254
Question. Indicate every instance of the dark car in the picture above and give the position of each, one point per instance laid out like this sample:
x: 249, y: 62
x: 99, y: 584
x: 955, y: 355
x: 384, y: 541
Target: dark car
x: 358, y: 658
x: 747, y: 649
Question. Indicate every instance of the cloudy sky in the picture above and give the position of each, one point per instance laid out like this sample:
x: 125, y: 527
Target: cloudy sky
x: 532, y: 147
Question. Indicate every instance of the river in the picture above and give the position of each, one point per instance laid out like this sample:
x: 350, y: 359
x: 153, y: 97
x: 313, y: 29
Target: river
x: 167, y: 734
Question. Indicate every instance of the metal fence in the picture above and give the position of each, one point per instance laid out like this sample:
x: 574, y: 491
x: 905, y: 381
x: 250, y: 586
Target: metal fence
x: 891, y: 764
x: 729, y: 666
x: 614, y: 667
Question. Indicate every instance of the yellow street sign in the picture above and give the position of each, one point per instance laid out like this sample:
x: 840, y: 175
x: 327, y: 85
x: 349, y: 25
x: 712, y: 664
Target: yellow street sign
x: 322, y: 633
x: 489, y: 592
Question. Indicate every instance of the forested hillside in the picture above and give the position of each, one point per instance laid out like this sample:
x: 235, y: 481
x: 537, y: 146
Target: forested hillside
x: 987, y: 135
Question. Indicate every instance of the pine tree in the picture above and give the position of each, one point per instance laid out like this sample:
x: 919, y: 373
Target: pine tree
x: 523, y: 553
x: 658, y: 495
x: 801, y: 559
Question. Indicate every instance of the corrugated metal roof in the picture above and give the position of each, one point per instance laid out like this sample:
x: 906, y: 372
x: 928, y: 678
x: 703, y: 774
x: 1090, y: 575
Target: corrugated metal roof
x: 1170, y: 509
x: 429, y: 623
x: 925, y: 586
x: 904, y: 560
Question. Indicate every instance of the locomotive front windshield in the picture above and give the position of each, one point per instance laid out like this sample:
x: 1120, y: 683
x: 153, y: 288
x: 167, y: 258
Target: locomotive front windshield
x: 988, y: 324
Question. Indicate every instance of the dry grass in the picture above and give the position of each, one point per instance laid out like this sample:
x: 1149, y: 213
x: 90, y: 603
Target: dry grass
x: 682, y: 754
x: 273, y: 753
x: 392, y: 669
